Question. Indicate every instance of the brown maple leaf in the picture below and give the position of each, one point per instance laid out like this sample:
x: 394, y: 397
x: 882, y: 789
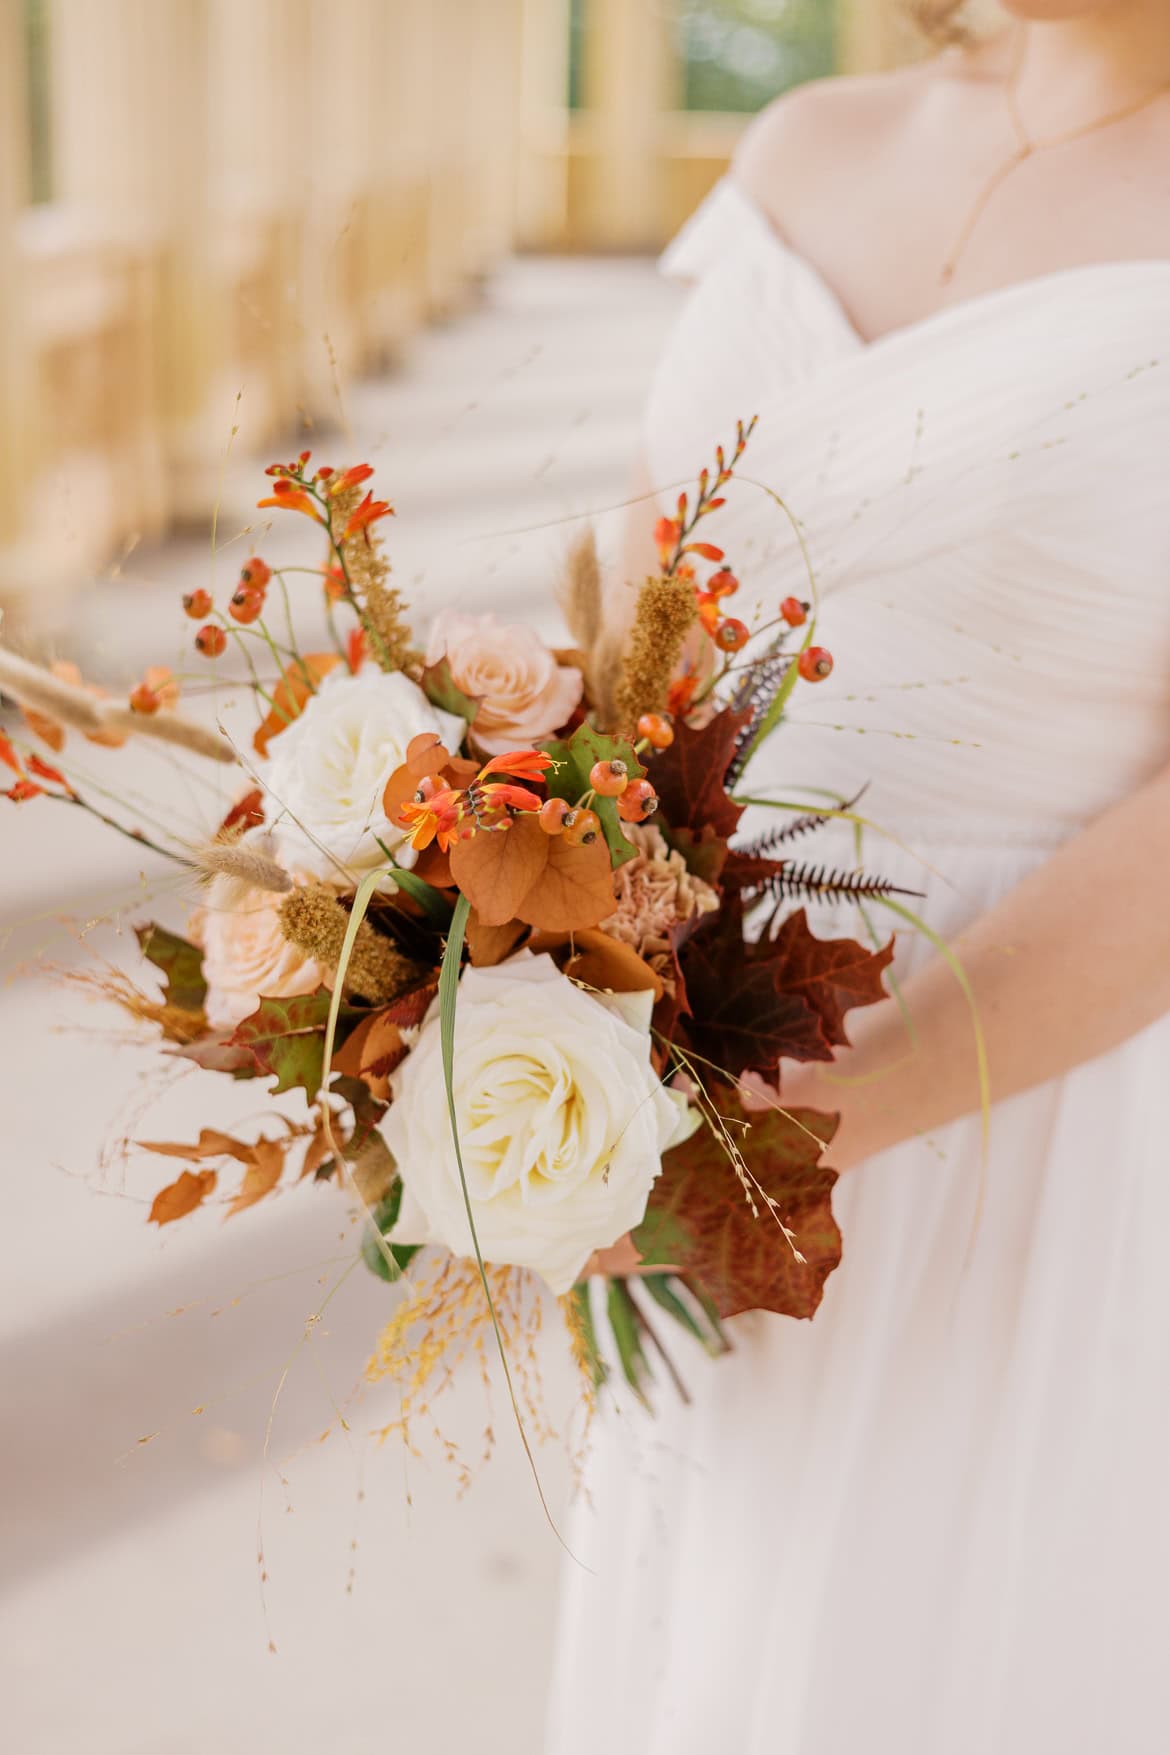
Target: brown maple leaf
x: 832, y: 974
x: 700, y: 1221
x: 741, y: 1019
x: 688, y: 777
x: 181, y: 1197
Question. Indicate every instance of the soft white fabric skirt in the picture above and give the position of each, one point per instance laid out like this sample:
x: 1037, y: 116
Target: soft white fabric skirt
x: 936, y: 1520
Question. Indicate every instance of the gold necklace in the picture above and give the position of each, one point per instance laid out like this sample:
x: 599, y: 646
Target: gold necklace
x: 1027, y: 148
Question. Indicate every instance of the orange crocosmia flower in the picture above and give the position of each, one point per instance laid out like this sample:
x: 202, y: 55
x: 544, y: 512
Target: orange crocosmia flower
x: 356, y: 649
x: 335, y: 584
x: 680, y: 696
x: 291, y: 499
x: 496, y: 797
x: 351, y: 477
x: 521, y: 764
x: 433, y: 819
x: 666, y: 534
x: 43, y: 772
x: 23, y: 791
x: 367, y: 513
x: 9, y: 756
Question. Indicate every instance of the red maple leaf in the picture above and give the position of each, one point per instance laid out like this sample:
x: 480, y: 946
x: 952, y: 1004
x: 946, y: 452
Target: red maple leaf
x: 700, y: 1221
x: 688, y: 777
x: 741, y: 1018
x: 832, y: 974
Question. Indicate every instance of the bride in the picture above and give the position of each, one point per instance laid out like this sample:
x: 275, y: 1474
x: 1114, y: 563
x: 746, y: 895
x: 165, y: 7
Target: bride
x: 936, y: 1520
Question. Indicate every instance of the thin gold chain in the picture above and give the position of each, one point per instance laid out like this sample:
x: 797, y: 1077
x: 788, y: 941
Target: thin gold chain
x: 1027, y: 147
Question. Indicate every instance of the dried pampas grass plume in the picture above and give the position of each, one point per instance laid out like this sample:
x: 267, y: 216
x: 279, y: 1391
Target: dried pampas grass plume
x: 314, y: 920
x: 45, y: 693
x: 579, y: 590
x: 39, y: 690
x: 168, y: 728
x: 238, y: 869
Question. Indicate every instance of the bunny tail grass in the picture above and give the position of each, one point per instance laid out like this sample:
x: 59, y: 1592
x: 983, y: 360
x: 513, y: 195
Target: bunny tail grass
x: 243, y: 865
x: 168, y: 728
x: 39, y: 689
x: 579, y: 590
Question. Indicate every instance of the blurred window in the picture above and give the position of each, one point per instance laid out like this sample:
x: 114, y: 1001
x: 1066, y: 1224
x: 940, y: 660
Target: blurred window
x: 36, y: 60
x: 738, y: 54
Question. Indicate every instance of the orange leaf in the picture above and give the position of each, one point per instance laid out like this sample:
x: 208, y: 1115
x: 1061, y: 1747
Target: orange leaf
x: 261, y: 1176
x: 573, y: 890
x: 316, y: 1152
x: 291, y: 693
x: 605, y: 962
x: 182, y: 1197
x: 497, y: 869
x: 434, y: 868
x: 487, y: 945
x: 210, y: 1144
x: 371, y: 1054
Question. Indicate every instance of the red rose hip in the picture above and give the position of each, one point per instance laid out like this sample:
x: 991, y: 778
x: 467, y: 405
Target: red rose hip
x: 210, y: 640
x: 815, y: 664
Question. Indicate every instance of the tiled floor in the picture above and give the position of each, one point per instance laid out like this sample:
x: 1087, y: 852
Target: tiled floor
x: 134, y: 1620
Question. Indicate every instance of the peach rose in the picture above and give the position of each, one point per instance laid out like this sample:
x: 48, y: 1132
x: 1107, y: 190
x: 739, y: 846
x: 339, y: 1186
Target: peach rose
x: 524, y: 694
x: 246, y: 956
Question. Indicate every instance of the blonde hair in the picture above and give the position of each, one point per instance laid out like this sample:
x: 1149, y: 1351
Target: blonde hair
x: 941, y: 20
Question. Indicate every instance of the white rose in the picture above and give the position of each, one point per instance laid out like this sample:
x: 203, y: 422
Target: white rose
x: 562, y: 1121
x: 524, y: 694
x: 330, y: 767
x: 246, y: 956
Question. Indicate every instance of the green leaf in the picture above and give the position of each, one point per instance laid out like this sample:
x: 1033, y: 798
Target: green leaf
x: 286, y: 1037
x: 624, y: 1323
x: 438, y: 686
x: 712, y: 1338
x: 180, y: 961
x: 433, y: 903
x: 385, y: 1216
x: 571, y: 779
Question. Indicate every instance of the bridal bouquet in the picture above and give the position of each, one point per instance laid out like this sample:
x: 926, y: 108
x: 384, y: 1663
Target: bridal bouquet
x: 478, y: 911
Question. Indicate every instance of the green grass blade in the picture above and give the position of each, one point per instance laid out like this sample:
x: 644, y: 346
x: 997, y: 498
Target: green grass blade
x: 624, y: 1324
x: 448, y: 995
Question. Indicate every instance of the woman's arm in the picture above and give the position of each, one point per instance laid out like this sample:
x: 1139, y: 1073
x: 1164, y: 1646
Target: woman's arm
x: 1074, y: 961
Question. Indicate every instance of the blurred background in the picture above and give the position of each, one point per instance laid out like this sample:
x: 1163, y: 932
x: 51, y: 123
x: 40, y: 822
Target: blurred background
x: 418, y: 232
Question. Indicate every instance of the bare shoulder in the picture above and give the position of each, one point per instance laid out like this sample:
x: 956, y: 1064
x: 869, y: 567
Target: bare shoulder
x: 806, y: 145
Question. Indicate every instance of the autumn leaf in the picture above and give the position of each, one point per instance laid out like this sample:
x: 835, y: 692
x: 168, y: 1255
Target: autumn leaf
x: 215, y: 1053
x: 372, y: 1053
x: 688, y: 777
x: 261, y: 1176
x: 703, y: 853
x: 246, y: 813
x: 488, y: 945
x: 833, y: 974
x: 286, y: 1037
x: 741, y: 1017
x: 575, y: 888
x: 597, y: 960
x: 497, y: 869
x: 210, y: 1144
x: 182, y: 1197
x: 181, y: 963
x: 699, y: 1219
x: 298, y: 683
x: 439, y: 687
x: 317, y: 1151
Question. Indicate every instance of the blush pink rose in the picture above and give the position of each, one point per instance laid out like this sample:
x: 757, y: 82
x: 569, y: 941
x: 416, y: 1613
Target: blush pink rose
x: 524, y: 694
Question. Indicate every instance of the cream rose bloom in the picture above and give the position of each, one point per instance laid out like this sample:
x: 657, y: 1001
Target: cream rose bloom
x: 562, y: 1121
x: 246, y: 956
x: 330, y: 766
x: 524, y: 694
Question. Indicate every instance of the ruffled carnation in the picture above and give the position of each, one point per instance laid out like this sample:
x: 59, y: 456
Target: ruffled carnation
x: 655, y: 891
x: 524, y: 694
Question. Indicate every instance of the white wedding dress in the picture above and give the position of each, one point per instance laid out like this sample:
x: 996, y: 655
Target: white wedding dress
x: 935, y: 1520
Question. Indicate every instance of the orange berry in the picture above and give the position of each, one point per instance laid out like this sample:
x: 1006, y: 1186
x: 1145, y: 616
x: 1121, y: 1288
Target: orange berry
x: 815, y: 664
x: 723, y: 583
x: 144, y: 699
x: 731, y: 636
x: 637, y: 802
x: 609, y: 779
x: 197, y: 604
x: 552, y: 815
x: 210, y: 640
x: 657, y: 730
x: 795, y: 612
x: 246, y: 605
x: 255, y: 573
x: 582, y: 827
